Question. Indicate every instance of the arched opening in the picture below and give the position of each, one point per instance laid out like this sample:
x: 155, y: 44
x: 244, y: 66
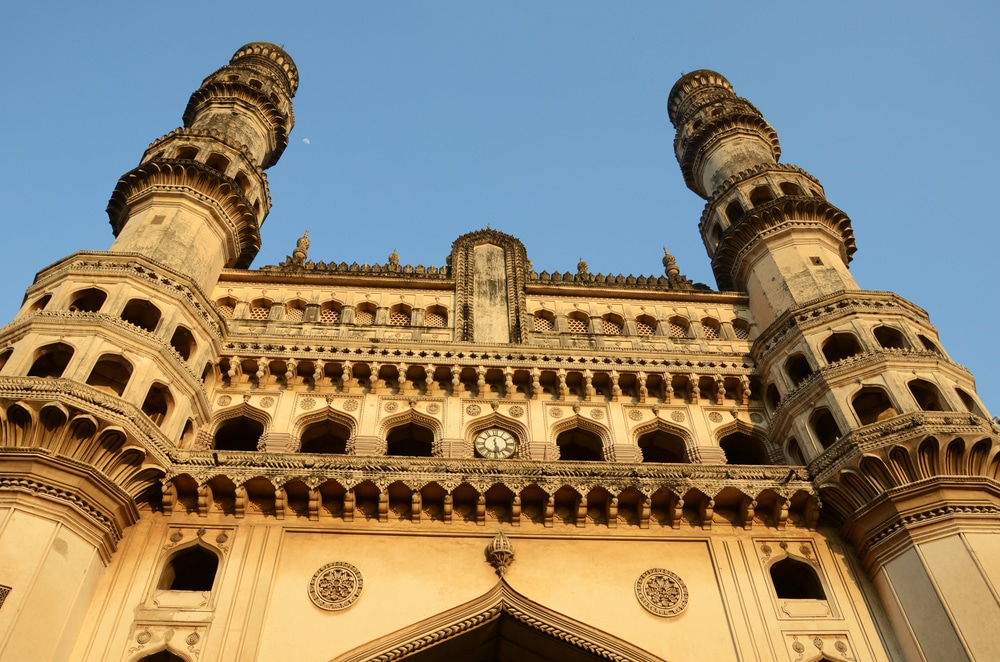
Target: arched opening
x: 227, y: 307
x: 260, y: 310
x: 242, y: 182
x: 645, y: 325
x: 325, y: 437
x: 929, y: 344
x: 825, y: 428
x: 715, y: 237
x: 111, y: 373
x: 840, y: 346
x: 679, y: 327
x: 612, y: 325
x: 580, y: 446
x: 329, y: 313
x: 40, y: 303
x: 927, y: 395
x: 795, y: 580
x: 157, y: 403
x: 89, y: 300
x: 760, y: 195
x: 239, y: 434
x: 364, y: 314
x: 711, y: 329
x: 295, y: 311
x: 772, y: 397
x: 741, y: 328
x: 400, y: 315
x: 217, y: 161
x: 794, y: 452
x: 187, y: 153
x: 162, y: 656
x: 660, y: 446
x: 798, y: 369
x: 183, y: 342
x: 5, y: 356
x: 970, y: 403
x: 191, y: 569
x: 544, y: 321
x: 788, y: 188
x: 51, y: 360
x: 410, y: 440
x: 733, y: 211
x: 577, y: 322
x: 142, y: 314
x: 872, y: 404
x: 436, y: 317
x: 741, y: 448
x: 889, y: 338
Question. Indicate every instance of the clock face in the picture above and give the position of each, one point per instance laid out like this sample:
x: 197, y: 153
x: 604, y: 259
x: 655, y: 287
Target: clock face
x: 495, y: 444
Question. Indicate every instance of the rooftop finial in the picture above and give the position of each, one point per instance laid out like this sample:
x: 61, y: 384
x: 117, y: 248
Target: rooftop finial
x: 500, y: 553
x: 301, y: 251
x: 582, y: 267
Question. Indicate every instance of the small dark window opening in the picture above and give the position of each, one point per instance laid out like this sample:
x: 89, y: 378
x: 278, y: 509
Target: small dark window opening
x: 798, y: 369
x: 326, y: 437
x: 733, y: 211
x: 4, y: 356
x: 239, y: 434
x: 242, y: 182
x: 741, y: 448
x: 162, y: 656
x: 40, y: 303
x: 190, y: 570
x: 88, y: 301
x: 795, y: 452
x: 142, y: 314
x: 52, y: 361
x: 410, y: 440
x: 969, y: 402
x: 871, y: 404
x: 826, y: 429
x: 773, y: 398
x: 183, y: 342
x: 889, y: 338
x: 795, y: 580
x: 218, y: 161
x: 187, y: 153
x: 660, y: 446
x: 111, y: 373
x: 788, y: 188
x: 927, y: 395
x: 760, y: 195
x: 580, y: 446
x: 840, y: 346
x: 929, y: 345
x: 157, y: 403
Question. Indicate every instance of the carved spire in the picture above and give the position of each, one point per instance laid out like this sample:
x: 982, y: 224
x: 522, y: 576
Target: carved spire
x: 582, y: 267
x: 301, y: 251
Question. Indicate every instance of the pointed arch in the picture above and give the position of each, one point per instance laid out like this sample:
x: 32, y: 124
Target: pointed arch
x: 578, y: 421
x: 407, y: 417
x: 501, y: 602
x: 327, y: 414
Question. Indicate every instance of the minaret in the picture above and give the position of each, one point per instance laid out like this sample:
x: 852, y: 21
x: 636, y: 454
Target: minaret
x: 904, y: 456
x: 768, y: 227
x: 199, y: 195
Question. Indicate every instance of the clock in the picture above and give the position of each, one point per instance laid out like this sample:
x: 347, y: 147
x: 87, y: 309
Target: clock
x: 495, y: 444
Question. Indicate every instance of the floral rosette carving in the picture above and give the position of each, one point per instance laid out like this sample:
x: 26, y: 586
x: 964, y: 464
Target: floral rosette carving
x: 336, y: 586
x: 661, y: 592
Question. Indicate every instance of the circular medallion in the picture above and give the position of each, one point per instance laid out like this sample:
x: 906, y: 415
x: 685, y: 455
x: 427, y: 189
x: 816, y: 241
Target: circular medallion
x: 266, y: 401
x: 224, y: 400
x: 350, y: 405
x: 307, y: 403
x: 556, y: 412
x: 635, y: 415
x: 336, y: 586
x: 391, y: 406
x: 473, y: 410
x: 661, y: 592
x: 433, y: 408
x: 677, y: 416
x: 596, y: 414
x: 495, y: 444
x: 756, y: 418
x: 715, y: 417
x: 517, y: 411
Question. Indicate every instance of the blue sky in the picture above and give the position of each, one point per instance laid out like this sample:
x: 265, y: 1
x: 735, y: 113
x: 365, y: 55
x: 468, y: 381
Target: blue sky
x: 546, y: 120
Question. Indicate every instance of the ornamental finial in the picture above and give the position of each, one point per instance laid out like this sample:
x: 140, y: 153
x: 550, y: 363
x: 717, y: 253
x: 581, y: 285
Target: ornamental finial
x: 301, y: 251
x: 500, y: 553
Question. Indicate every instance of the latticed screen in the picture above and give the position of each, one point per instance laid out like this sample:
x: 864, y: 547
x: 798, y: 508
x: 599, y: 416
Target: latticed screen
x: 329, y: 315
x: 258, y: 312
x: 711, y: 332
x: 677, y: 330
x: 611, y: 327
x: 399, y: 318
x: 4, y: 592
x: 364, y: 317
x: 742, y: 331
x: 544, y: 324
x: 576, y: 325
x: 643, y: 328
x: 293, y: 314
x: 226, y: 309
x: 435, y: 319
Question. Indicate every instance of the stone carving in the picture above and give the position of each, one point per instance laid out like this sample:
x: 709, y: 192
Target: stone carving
x: 473, y: 410
x: 715, y: 417
x: 517, y: 411
x: 433, y: 408
x: 556, y: 412
x: 307, y: 403
x: 661, y: 592
x: 597, y: 414
x: 336, y: 586
x: 266, y: 402
x: 391, y: 406
x: 756, y: 417
x: 635, y: 415
x: 224, y: 400
x: 350, y: 405
x: 500, y: 553
x: 4, y: 592
x: 677, y: 416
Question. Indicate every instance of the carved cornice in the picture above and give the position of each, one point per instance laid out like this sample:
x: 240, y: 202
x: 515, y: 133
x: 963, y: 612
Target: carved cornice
x: 724, y: 189
x: 276, y: 121
x: 206, y: 184
x: 276, y: 58
x: 771, y: 217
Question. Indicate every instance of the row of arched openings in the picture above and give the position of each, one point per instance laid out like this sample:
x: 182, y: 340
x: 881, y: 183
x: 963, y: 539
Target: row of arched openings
x: 333, y: 312
x: 612, y: 324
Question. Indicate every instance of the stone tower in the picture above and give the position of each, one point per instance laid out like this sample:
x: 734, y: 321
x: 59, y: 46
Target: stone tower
x: 857, y: 383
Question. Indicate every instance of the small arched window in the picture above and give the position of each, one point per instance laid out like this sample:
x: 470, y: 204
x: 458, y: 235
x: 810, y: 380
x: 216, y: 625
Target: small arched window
x: 798, y: 369
x: 969, y: 402
x: 772, y: 397
x: 679, y: 327
x: 825, y: 428
x: 660, y: 446
x: 929, y: 344
x: 325, y: 437
x: 295, y: 310
x: 889, y: 338
x: 242, y: 182
x: 329, y: 313
x: 239, y: 434
x: 580, y: 445
x: 436, y: 317
x: 227, y: 307
x: 711, y: 328
x: 218, y: 162
x: 51, y: 360
x: 760, y: 195
x: 410, y: 440
x: 612, y: 325
x: 927, y: 395
x: 89, y: 300
x: 577, y: 322
x: 400, y: 315
x: 187, y: 153
x: 183, y: 342
x: 733, y: 211
x: 788, y: 188
x: 544, y: 321
x: 40, y: 303
x: 364, y: 315
x: 872, y: 404
x: 741, y: 328
x: 111, y: 373
x: 260, y: 309
x: 162, y: 656
x: 840, y: 346
x: 142, y: 314
x: 157, y: 403
x: 191, y: 569
x: 795, y: 580
x: 645, y: 325
x: 794, y: 452
x: 741, y: 448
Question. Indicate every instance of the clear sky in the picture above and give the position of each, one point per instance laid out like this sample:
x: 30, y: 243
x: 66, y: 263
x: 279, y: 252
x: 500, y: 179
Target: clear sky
x: 419, y: 121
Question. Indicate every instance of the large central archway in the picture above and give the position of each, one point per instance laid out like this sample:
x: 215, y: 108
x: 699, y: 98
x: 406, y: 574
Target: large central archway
x: 499, y: 626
